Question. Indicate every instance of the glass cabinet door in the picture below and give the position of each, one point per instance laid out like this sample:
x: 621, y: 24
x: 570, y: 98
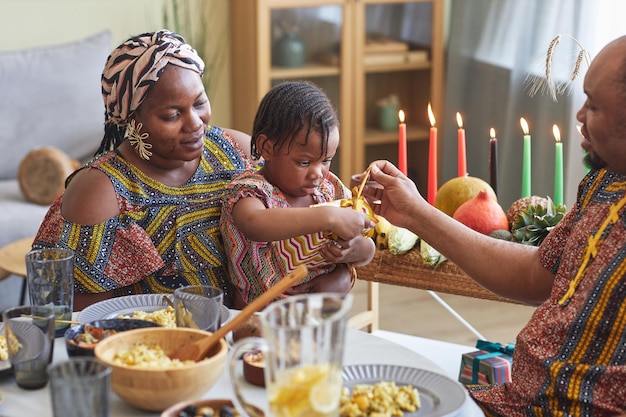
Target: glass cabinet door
x: 306, y: 44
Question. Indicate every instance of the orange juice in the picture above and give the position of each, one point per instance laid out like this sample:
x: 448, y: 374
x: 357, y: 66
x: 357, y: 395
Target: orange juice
x: 306, y: 391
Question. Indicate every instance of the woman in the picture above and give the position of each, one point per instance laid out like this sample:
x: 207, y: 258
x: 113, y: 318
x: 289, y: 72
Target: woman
x: 143, y: 215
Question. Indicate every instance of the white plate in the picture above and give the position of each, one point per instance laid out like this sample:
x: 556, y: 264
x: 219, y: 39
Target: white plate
x: 128, y: 304
x: 440, y: 396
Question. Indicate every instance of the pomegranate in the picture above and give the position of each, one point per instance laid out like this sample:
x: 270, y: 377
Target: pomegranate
x: 482, y: 214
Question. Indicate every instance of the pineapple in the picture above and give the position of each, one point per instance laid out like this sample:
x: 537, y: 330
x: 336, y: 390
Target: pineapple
x: 535, y: 222
x: 522, y: 204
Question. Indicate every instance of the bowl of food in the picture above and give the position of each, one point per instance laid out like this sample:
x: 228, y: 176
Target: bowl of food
x: 81, y: 339
x: 145, y: 377
x: 201, y: 408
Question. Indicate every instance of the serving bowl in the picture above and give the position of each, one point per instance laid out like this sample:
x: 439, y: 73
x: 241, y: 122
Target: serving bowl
x: 158, y: 389
x: 116, y: 325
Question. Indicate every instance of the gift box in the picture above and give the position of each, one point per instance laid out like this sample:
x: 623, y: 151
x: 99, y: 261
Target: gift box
x: 489, y: 365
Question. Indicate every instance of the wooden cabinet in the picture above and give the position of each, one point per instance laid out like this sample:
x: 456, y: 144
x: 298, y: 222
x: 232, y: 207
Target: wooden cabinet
x: 359, y: 52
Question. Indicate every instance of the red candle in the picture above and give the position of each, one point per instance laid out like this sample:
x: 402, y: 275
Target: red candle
x: 432, y: 158
x: 402, y: 158
x: 493, y: 160
x: 462, y: 161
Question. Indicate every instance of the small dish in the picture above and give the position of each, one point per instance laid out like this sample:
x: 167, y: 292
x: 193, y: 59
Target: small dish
x: 216, y: 405
x: 254, y: 367
x: 117, y: 325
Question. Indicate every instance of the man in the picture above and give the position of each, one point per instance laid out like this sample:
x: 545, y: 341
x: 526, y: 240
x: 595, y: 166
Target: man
x: 570, y: 359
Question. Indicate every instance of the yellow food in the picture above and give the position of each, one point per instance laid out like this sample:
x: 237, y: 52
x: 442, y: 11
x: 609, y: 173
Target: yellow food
x: 458, y: 190
x: 311, y: 390
x: 4, y: 349
x: 381, y: 399
x: 166, y: 317
x: 147, y: 357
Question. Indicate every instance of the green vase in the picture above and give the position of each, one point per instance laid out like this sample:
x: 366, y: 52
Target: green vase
x: 289, y: 51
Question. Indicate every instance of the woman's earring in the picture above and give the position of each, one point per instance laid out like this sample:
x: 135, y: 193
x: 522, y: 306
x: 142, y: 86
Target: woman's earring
x: 136, y: 139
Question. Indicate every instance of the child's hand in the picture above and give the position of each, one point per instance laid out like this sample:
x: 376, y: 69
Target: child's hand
x: 358, y: 250
x: 347, y: 223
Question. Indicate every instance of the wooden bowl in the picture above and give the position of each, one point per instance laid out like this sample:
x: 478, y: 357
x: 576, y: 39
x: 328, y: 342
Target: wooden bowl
x: 158, y: 389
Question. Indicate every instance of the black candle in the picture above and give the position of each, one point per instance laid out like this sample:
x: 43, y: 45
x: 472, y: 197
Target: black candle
x: 493, y: 160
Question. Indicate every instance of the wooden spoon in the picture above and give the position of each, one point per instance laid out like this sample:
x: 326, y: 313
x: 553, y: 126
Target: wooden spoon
x: 198, y: 350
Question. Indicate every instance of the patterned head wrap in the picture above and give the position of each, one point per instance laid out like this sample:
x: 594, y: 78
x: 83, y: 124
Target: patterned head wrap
x: 134, y: 67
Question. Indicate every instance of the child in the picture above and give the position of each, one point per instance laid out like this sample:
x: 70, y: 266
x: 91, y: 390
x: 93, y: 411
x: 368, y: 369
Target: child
x: 268, y: 224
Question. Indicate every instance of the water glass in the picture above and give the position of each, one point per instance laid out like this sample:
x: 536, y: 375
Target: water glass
x: 80, y: 387
x: 303, y: 342
x: 29, y: 331
x: 50, y: 276
x: 199, y: 307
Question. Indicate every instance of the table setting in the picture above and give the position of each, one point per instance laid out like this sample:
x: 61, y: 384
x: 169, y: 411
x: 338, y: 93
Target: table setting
x: 314, y: 334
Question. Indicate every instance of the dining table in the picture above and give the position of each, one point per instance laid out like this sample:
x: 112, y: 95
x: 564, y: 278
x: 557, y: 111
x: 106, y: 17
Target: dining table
x: 361, y: 348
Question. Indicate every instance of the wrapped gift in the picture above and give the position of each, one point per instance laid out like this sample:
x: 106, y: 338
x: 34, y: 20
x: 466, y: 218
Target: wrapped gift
x: 489, y: 365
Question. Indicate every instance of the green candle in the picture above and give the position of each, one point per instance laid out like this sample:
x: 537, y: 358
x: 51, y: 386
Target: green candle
x: 558, y: 167
x: 525, y: 160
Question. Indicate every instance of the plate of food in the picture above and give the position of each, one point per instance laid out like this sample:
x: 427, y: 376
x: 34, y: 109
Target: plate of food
x: 151, y: 307
x: 437, y: 395
x: 5, y: 365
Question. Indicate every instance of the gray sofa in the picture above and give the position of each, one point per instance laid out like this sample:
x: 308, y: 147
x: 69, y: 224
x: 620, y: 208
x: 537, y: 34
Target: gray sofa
x: 48, y: 97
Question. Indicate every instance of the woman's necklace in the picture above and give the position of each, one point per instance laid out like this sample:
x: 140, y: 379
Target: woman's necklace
x: 592, y: 249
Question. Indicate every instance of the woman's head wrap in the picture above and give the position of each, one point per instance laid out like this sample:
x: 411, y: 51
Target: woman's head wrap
x: 133, y: 69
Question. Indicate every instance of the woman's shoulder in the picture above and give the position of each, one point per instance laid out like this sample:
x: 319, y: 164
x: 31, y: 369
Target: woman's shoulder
x: 235, y: 145
x: 89, y: 198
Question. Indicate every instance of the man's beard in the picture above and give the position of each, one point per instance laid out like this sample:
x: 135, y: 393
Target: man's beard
x: 593, y: 162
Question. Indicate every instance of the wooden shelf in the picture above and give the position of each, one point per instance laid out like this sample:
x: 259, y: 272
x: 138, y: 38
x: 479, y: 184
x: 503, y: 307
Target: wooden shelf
x: 339, y: 61
x: 378, y: 137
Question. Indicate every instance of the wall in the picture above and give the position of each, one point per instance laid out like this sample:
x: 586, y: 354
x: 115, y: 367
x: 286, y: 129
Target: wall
x: 35, y: 23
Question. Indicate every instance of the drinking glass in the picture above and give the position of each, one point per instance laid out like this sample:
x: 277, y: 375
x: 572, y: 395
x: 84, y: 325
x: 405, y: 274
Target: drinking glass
x: 29, y: 331
x: 303, y: 342
x: 80, y: 387
x: 199, y: 307
x: 50, y: 276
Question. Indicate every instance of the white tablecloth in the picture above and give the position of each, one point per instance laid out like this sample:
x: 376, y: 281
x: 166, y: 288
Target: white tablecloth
x: 361, y: 348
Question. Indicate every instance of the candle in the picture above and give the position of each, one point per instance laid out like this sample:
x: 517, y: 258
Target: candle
x: 525, y: 159
x: 432, y: 158
x: 493, y: 160
x: 558, y: 167
x: 402, y: 159
x: 462, y: 161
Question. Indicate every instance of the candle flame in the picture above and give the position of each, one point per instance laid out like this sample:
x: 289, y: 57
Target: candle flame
x: 580, y: 130
x: 556, y: 132
x: 524, y: 125
x: 401, y: 116
x: 431, y: 116
x: 459, y: 120
x: 492, y: 133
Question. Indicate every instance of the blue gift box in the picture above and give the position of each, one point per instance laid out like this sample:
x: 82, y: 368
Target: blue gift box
x: 489, y: 365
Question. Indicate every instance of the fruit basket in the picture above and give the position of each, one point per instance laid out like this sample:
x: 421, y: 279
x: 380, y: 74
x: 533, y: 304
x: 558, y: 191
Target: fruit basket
x: 409, y: 270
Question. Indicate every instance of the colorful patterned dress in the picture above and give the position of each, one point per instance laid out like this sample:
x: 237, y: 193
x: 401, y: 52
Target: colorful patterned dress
x: 164, y: 237
x: 256, y: 266
x: 570, y: 359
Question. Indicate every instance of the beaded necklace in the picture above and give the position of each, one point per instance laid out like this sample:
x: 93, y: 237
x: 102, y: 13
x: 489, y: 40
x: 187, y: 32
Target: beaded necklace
x: 592, y: 249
